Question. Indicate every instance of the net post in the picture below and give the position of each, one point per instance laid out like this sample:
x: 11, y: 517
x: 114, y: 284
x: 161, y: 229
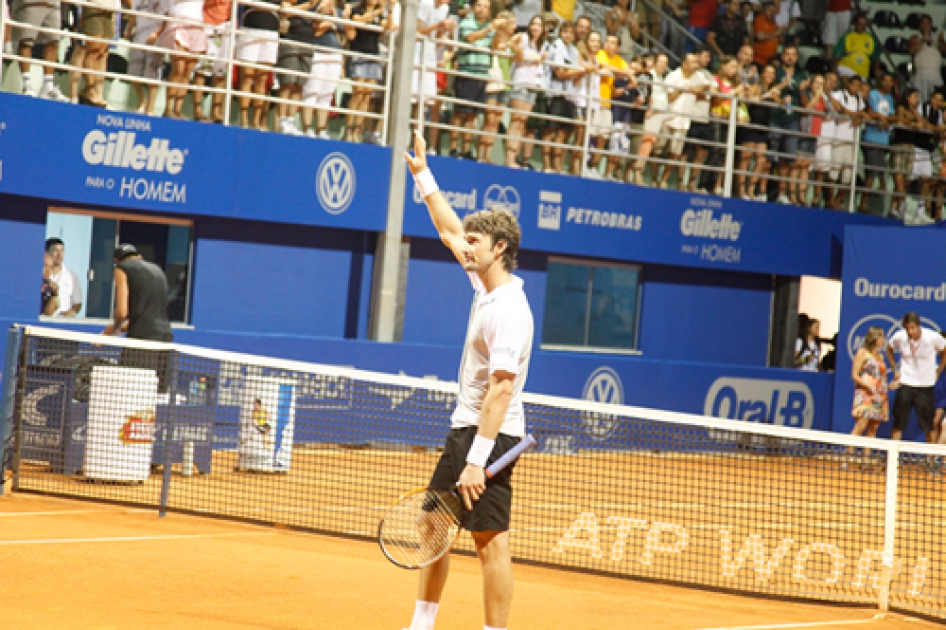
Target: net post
x: 8, y: 401
x: 890, y: 526
x: 168, y: 431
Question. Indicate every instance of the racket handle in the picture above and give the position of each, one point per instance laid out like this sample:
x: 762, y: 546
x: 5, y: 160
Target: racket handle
x: 524, y: 445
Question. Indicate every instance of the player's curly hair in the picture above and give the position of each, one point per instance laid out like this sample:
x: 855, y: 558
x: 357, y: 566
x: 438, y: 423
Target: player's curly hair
x: 500, y: 225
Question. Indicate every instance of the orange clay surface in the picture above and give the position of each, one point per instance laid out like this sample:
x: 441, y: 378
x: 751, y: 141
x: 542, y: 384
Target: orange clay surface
x: 76, y: 564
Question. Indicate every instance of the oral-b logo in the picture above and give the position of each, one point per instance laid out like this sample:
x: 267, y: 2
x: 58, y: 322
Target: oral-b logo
x: 704, y: 224
x: 119, y: 149
x: 784, y: 403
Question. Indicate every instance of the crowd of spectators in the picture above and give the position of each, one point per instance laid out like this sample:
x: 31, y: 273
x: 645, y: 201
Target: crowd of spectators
x: 530, y: 86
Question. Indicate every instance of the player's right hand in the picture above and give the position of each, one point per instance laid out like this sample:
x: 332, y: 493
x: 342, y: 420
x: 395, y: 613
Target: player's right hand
x: 417, y: 162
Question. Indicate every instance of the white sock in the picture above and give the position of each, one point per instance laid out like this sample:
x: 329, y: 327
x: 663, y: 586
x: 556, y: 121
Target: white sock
x: 27, y: 80
x: 425, y: 615
x: 47, y: 81
x: 492, y: 628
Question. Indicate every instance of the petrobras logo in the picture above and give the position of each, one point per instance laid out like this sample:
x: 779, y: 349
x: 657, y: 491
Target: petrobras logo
x: 783, y: 403
x: 120, y: 149
x: 864, y: 288
x: 603, y: 386
x: 335, y: 183
x: 600, y: 218
x: 550, y: 210
x: 705, y: 224
x: 890, y: 325
x: 505, y: 197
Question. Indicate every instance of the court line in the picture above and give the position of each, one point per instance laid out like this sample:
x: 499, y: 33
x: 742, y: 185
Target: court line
x: 60, y: 541
x: 810, y: 624
x: 53, y: 513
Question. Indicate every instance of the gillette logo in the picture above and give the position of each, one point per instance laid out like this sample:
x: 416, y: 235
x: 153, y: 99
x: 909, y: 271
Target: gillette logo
x: 704, y: 224
x: 118, y: 149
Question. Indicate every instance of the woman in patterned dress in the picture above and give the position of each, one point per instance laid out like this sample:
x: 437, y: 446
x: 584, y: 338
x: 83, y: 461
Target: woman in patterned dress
x: 869, y: 372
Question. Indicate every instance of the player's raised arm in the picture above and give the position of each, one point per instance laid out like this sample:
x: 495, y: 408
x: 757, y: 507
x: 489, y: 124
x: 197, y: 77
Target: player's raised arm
x: 445, y: 219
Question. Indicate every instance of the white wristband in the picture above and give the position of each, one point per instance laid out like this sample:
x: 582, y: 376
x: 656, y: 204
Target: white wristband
x: 479, y: 452
x: 426, y: 183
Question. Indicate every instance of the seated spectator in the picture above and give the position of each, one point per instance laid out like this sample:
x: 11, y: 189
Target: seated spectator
x: 365, y: 69
x: 881, y: 114
x: 327, y: 67
x: 927, y: 58
x: 295, y: 58
x: 69, y: 289
x: 530, y: 50
x: 754, y: 138
x: 655, y: 120
x: 561, y: 103
x: 476, y: 30
x: 181, y: 35
x: 767, y: 35
x: 146, y: 64
x: 97, y: 22
x: 702, y: 14
x: 257, y: 43
x: 850, y: 107
x: 622, y: 22
x: 791, y: 81
x: 858, y: 48
x: 728, y: 33
x: 42, y: 14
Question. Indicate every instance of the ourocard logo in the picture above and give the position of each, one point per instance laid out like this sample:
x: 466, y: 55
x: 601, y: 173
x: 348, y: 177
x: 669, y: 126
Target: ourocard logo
x: 335, y: 183
x: 603, y: 386
x: 502, y: 196
x: 890, y: 325
x: 138, y: 427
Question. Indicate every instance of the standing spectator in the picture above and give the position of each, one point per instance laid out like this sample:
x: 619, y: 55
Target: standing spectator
x: 823, y: 171
x: 97, y: 22
x: 295, y: 58
x: 365, y: 69
x: 882, y: 112
x: 813, y: 14
x: 785, y: 17
x: 869, y: 372
x: 43, y: 14
x: 836, y: 23
x: 728, y: 33
x: 70, y: 291
x: 808, y: 348
x: 589, y: 90
x: 582, y: 31
x: 655, y: 120
x: 850, y: 107
x: 791, y: 81
x: 927, y: 58
x: 926, y: 140
x: 327, y: 67
x: 214, y: 67
x: 858, y: 48
x: 675, y: 37
x: 726, y: 85
x: 433, y: 22
x: 497, y: 92
x: 476, y: 30
x: 530, y: 51
x: 754, y: 139
x: 612, y: 66
x: 701, y: 132
x: 258, y: 44
x: 915, y: 374
x: 626, y: 98
x: 181, y: 34
x: 683, y: 85
x: 807, y: 144
x: 625, y: 24
x: 767, y: 35
x: 702, y: 14
x: 146, y: 64
x: 562, y: 104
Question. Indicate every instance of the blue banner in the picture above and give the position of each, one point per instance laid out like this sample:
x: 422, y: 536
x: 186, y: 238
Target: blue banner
x: 85, y: 155
x: 570, y: 215
x: 887, y: 273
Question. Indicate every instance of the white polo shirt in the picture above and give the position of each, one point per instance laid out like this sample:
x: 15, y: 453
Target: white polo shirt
x: 918, y: 358
x: 498, y: 337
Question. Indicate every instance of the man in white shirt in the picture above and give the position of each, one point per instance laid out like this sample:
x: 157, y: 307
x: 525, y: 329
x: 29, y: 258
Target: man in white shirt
x: 849, y: 104
x: 684, y: 85
x: 70, y: 291
x: 916, y: 373
x: 489, y: 419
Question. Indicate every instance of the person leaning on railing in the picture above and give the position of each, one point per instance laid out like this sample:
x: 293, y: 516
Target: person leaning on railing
x: 824, y: 129
x: 882, y: 114
x: 294, y: 28
x: 257, y: 43
x: 530, y: 50
x: 213, y: 67
x: 497, y: 89
x: 364, y: 70
x: 850, y: 106
x: 146, y: 64
x: 185, y: 34
x: 433, y: 22
x: 682, y: 87
x: 753, y: 138
x: 318, y: 92
x: 589, y: 92
x: 45, y: 14
x: 96, y: 21
x: 727, y: 85
x: 701, y: 131
x: 566, y: 72
x: 611, y: 66
x: 655, y: 120
x: 791, y: 80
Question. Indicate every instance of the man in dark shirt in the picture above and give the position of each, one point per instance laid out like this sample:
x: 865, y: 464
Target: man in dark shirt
x: 141, y: 310
x: 728, y: 33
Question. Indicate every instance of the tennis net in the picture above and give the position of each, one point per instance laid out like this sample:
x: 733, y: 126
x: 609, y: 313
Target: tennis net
x: 611, y: 489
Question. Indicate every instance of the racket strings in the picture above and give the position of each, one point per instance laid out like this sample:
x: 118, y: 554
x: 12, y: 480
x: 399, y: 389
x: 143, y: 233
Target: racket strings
x: 421, y: 527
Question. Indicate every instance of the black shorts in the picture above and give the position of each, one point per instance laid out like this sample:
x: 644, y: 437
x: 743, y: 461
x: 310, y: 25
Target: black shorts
x: 877, y: 158
x: 491, y: 512
x: 755, y: 136
x: 472, y: 90
x: 700, y: 131
x: 157, y: 360
x: 909, y: 398
x: 563, y: 108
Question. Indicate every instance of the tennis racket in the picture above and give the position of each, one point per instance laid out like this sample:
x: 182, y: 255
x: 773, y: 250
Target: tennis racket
x: 421, y: 527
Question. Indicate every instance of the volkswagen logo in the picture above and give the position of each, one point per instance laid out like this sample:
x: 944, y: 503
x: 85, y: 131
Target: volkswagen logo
x: 502, y: 196
x: 890, y: 325
x: 603, y: 386
x: 335, y: 183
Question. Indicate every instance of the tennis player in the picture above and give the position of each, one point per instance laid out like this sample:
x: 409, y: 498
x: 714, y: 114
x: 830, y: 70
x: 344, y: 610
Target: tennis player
x: 488, y: 420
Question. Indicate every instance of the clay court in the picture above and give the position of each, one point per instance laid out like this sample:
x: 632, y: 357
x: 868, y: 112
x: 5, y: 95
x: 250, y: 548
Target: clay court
x: 76, y: 564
